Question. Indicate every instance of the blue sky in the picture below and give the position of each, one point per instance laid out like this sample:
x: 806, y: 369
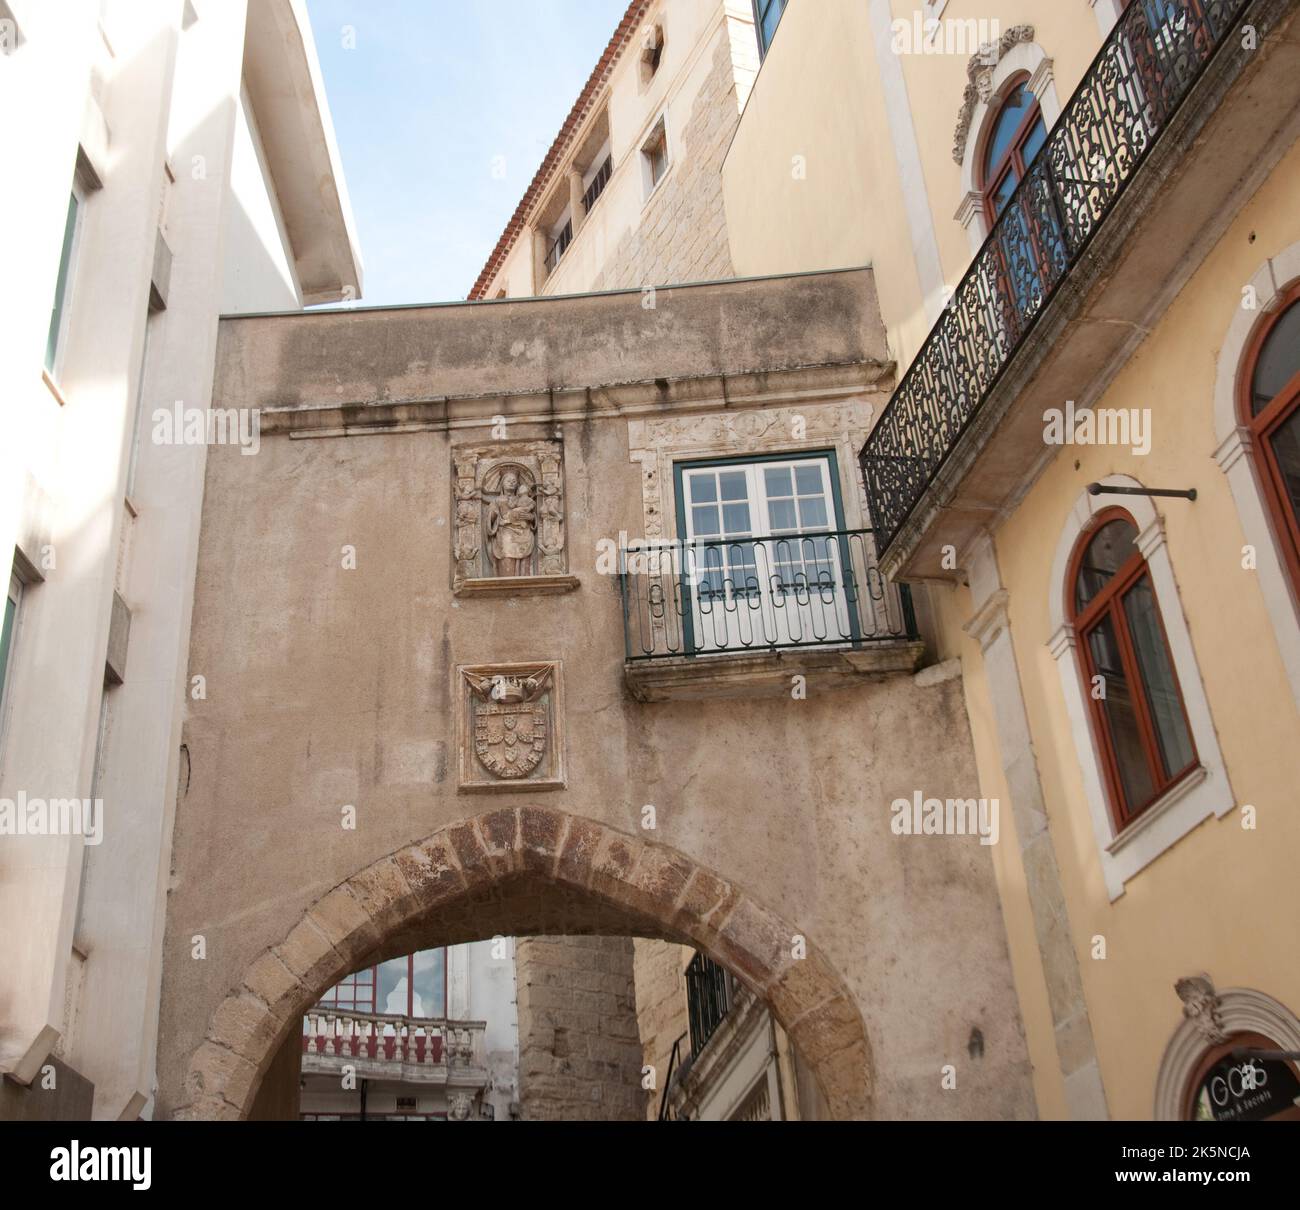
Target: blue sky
x: 429, y: 94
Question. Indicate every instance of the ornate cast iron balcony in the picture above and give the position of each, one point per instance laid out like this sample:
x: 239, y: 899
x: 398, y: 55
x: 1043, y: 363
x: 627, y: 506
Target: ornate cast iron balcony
x: 381, y: 1045
x: 1145, y: 69
x: 746, y: 595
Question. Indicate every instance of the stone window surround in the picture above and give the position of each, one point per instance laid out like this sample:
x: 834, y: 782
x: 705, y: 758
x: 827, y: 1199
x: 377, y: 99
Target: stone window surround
x: 1236, y: 458
x: 1237, y: 1010
x: 1207, y: 790
x: 657, y: 126
x: 657, y: 444
x: 1021, y: 58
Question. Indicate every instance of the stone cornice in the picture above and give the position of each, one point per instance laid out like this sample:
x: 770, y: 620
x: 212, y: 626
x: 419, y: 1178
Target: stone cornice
x: 812, y: 384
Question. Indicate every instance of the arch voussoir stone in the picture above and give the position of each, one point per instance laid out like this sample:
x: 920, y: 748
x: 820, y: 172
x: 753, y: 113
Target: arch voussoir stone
x: 448, y: 874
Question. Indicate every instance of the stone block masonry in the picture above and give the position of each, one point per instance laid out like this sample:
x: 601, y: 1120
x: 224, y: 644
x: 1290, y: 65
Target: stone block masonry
x: 682, y: 236
x: 579, y: 1049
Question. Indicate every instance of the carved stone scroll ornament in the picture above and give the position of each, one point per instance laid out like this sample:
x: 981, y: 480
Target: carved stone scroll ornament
x: 1201, y: 1007
x: 979, y: 73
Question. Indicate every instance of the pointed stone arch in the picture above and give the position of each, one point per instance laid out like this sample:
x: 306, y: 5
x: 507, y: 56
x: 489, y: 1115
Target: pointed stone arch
x: 530, y: 870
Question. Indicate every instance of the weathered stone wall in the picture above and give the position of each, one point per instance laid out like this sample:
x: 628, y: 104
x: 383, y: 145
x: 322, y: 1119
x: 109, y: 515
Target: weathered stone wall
x: 326, y: 628
x: 579, y: 1054
x: 682, y: 236
x: 661, y: 1007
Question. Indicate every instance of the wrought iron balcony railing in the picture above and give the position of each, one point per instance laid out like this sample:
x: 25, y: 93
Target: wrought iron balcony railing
x: 560, y: 247
x: 709, y: 596
x: 1140, y: 77
x: 598, y: 183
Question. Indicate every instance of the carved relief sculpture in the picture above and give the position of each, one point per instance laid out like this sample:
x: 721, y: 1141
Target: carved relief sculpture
x: 511, y: 521
x: 509, y: 509
x: 510, y: 727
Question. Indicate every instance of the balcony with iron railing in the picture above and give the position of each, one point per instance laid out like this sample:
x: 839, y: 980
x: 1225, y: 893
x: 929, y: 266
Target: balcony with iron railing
x: 1013, y: 339
x: 598, y: 183
x: 393, y: 1047
x: 706, y: 617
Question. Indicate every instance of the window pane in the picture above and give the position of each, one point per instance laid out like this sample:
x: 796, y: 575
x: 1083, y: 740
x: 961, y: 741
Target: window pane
x: 734, y: 485
x: 812, y: 513
x: 428, y: 980
x: 1106, y: 554
x: 6, y: 636
x: 61, y: 284
x: 809, y: 480
x: 1161, y: 688
x: 1279, y: 360
x: 392, y: 986
x: 1285, y: 444
x: 777, y: 481
x: 704, y: 520
x: 1010, y: 116
x: 1034, y: 141
x: 1121, y: 716
x: 782, y: 514
x: 703, y: 487
x: 735, y: 518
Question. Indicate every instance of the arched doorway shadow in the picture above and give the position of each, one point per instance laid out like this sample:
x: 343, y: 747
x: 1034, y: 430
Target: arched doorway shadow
x: 527, y: 871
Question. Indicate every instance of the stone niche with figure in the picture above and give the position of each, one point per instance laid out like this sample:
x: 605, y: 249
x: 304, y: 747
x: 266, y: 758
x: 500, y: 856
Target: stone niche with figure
x: 509, y: 528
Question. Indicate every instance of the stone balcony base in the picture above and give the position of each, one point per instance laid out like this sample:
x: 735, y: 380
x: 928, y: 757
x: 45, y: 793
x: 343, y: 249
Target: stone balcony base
x: 767, y: 673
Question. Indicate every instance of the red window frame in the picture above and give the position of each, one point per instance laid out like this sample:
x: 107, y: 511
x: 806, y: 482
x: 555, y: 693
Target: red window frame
x: 1108, y: 604
x: 330, y: 998
x: 991, y: 176
x: 1286, y: 525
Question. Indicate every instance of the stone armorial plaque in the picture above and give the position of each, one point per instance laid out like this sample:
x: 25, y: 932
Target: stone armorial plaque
x: 509, y: 519
x: 510, y: 729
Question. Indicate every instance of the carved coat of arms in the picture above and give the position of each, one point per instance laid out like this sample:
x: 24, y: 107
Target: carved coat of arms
x: 509, y: 718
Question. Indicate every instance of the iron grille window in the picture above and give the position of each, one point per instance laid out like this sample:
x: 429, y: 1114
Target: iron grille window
x: 710, y: 993
x: 598, y: 183
x: 558, y: 249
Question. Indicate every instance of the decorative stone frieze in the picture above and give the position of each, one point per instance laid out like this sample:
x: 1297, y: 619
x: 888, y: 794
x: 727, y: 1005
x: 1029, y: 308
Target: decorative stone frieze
x: 509, y: 519
x: 510, y: 726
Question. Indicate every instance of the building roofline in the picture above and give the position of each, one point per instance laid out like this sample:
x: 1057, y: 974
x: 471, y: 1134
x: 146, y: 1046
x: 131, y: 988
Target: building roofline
x: 287, y: 93
x: 542, y: 298
x: 541, y: 178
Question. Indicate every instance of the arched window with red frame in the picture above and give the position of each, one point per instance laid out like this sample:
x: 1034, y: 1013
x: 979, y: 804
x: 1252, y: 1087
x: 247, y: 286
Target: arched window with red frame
x: 1138, y: 714
x: 1269, y: 403
x: 1016, y: 135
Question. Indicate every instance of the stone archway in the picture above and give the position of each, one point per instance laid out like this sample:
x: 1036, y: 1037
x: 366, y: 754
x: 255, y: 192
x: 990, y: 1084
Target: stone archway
x: 530, y: 869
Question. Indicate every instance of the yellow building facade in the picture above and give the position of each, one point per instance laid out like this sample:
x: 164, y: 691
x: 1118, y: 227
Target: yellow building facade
x: 1151, y: 923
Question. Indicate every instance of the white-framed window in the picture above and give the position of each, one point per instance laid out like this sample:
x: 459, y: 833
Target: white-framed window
x: 8, y: 637
x: 1129, y: 845
x: 1251, y: 450
x: 654, y: 155
x: 64, y: 285
x: 766, y: 562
